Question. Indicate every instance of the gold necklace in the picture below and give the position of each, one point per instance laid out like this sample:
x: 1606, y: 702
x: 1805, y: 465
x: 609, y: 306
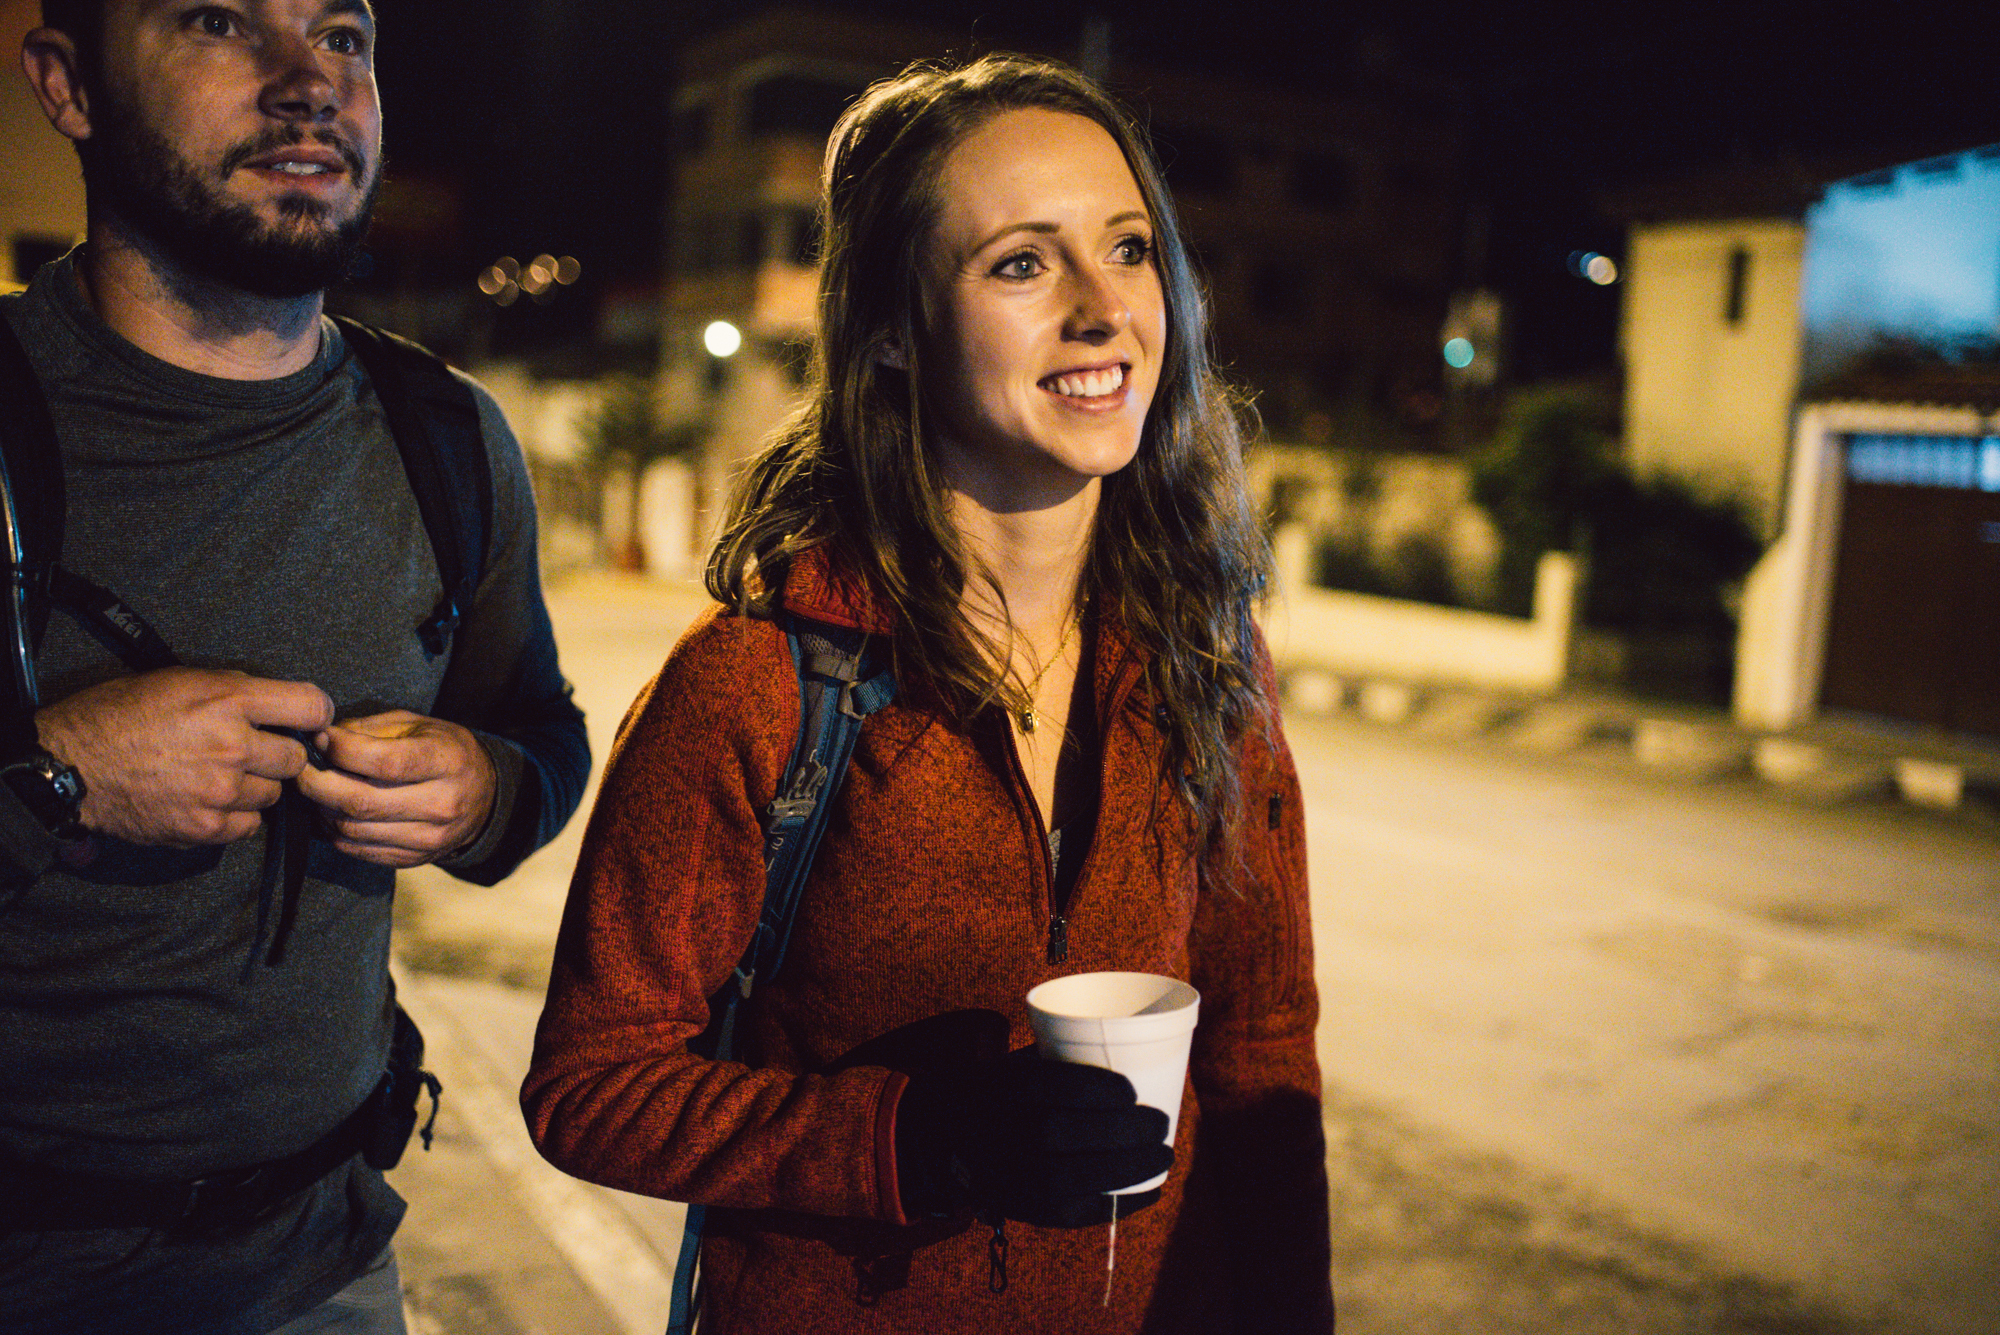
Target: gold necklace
x: 1029, y: 717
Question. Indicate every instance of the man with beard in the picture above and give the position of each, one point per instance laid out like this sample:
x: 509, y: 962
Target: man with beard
x: 196, y: 861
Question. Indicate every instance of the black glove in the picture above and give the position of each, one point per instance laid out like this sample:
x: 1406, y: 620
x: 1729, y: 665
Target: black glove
x: 1033, y: 1140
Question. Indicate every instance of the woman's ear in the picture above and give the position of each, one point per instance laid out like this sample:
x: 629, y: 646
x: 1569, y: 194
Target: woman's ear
x: 889, y: 353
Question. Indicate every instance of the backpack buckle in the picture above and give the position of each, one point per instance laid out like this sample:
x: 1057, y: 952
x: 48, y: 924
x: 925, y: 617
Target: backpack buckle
x: 437, y: 629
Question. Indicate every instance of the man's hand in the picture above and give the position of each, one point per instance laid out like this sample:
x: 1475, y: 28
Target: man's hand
x: 404, y: 789
x: 177, y: 757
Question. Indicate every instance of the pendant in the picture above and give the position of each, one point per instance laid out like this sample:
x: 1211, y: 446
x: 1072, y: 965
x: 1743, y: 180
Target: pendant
x: 1027, y: 720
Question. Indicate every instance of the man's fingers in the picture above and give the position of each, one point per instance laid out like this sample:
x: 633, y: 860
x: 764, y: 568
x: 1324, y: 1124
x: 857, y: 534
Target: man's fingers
x: 254, y: 794
x: 388, y: 725
x: 284, y: 704
x: 360, y: 799
x: 272, y: 755
x: 410, y: 757
x: 383, y: 855
x: 420, y: 838
x: 229, y: 827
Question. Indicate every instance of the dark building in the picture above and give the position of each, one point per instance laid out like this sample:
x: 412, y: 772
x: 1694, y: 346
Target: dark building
x: 1328, y: 227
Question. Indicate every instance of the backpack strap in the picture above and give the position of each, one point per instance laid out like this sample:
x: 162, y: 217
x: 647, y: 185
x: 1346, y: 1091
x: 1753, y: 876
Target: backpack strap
x: 840, y: 684
x: 435, y: 422
x: 31, y: 512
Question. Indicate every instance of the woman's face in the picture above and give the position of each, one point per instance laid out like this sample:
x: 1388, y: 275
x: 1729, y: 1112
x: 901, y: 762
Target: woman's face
x: 1049, y: 323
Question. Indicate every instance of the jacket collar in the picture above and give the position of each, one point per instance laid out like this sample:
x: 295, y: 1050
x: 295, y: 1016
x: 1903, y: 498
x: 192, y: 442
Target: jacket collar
x: 821, y: 588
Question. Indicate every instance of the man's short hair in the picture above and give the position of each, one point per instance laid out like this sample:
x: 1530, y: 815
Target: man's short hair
x: 83, y: 20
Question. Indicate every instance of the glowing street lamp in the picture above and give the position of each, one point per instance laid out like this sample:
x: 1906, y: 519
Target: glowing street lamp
x: 722, y: 339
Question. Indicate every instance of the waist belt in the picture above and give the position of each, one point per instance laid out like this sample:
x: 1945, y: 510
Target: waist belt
x: 36, y: 1198
x: 33, y: 1198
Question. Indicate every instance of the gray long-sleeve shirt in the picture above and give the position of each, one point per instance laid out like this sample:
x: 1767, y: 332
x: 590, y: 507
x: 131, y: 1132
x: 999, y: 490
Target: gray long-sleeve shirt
x: 267, y: 526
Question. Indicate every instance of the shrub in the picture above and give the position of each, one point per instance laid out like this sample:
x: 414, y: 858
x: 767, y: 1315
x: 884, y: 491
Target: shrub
x: 1660, y: 555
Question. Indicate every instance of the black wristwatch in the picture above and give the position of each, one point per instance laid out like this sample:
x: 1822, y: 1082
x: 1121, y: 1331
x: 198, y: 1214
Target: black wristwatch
x: 50, y: 789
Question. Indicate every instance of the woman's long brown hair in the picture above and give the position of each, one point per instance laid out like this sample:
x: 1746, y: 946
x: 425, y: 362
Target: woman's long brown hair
x: 1177, y: 556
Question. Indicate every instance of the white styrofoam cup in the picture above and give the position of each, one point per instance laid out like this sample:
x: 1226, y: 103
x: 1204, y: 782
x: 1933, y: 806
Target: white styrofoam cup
x: 1137, y: 1024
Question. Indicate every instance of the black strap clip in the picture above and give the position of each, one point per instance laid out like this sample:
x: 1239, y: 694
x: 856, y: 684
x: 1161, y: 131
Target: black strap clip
x: 436, y: 632
x: 226, y: 1198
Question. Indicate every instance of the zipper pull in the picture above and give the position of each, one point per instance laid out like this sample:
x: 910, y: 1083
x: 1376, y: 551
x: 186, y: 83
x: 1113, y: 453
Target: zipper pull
x: 1058, y: 939
x: 996, y: 1252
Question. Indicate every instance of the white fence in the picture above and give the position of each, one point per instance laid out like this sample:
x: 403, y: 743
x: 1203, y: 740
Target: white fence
x: 1357, y: 634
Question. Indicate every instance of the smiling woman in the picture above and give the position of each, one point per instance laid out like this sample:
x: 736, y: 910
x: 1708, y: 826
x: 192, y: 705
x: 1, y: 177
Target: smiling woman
x: 1018, y: 476
x: 1051, y: 320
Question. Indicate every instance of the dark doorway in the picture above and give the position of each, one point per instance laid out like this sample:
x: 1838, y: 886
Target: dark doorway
x: 1915, y: 627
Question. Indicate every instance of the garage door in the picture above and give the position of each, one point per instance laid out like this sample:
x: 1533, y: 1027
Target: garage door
x: 1915, y: 626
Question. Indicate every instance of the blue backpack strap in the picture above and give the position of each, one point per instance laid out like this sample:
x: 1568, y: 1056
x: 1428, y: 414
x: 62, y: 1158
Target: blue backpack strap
x: 841, y: 682
x: 435, y: 422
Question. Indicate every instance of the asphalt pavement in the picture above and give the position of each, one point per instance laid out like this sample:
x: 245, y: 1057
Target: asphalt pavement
x: 1610, y: 1046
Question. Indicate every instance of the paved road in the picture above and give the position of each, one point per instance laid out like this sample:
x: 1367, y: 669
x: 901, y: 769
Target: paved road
x: 1605, y: 1051
x: 1648, y: 1055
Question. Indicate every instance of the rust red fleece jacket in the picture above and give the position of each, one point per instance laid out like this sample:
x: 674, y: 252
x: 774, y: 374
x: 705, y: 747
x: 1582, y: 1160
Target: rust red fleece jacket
x: 930, y: 894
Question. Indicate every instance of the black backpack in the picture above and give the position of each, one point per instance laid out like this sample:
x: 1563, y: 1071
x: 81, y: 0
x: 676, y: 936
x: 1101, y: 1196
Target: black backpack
x: 431, y: 414
x: 434, y: 420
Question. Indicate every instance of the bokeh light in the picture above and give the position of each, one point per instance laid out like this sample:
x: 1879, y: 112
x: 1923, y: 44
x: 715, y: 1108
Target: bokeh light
x: 722, y: 339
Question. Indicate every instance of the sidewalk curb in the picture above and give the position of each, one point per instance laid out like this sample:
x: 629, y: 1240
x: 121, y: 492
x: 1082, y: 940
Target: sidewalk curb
x: 1691, y: 744
x: 613, y: 1259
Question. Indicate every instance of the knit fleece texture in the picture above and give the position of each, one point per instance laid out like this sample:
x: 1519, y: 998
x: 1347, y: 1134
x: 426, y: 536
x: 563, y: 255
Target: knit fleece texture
x: 930, y: 894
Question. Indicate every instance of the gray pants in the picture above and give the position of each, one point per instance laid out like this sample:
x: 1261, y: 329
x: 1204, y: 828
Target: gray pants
x: 371, y: 1305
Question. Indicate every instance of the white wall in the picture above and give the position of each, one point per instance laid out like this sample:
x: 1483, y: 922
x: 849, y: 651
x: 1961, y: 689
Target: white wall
x: 1705, y: 399
x: 1415, y: 495
x: 1360, y: 635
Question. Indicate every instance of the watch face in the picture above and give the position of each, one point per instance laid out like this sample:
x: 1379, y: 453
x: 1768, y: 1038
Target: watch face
x: 68, y: 785
x: 51, y: 790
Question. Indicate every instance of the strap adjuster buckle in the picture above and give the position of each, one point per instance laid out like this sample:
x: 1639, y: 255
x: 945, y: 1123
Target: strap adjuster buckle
x: 224, y: 1198
x: 437, y: 630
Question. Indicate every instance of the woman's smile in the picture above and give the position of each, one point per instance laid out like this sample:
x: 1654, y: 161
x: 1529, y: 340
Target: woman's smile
x: 1088, y: 389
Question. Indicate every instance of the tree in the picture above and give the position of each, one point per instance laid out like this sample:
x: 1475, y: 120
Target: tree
x: 1541, y: 479
x: 1660, y: 554
x: 624, y: 433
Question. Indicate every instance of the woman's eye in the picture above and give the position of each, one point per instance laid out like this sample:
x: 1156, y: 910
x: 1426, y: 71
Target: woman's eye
x: 1024, y: 265
x: 1134, y: 250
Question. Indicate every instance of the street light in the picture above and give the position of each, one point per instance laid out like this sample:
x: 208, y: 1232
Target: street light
x: 722, y: 339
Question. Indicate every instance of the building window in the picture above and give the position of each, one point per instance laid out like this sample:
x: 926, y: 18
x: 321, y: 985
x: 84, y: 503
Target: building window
x: 692, y: 125
x: 1281, y: 290
x: 794, y: 104
x: 1322, y: 181
x: 1739, y: 286
x: 691, y: 245
x: 749, y: 241
x: 1196, y: 163
x: 800, y: 230
x: 1962, y: 463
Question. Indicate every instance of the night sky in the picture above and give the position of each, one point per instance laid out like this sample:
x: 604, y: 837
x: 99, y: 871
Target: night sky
x: 542, y: 111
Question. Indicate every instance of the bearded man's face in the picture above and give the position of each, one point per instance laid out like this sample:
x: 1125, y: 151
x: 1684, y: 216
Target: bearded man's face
x: 245, y: 145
